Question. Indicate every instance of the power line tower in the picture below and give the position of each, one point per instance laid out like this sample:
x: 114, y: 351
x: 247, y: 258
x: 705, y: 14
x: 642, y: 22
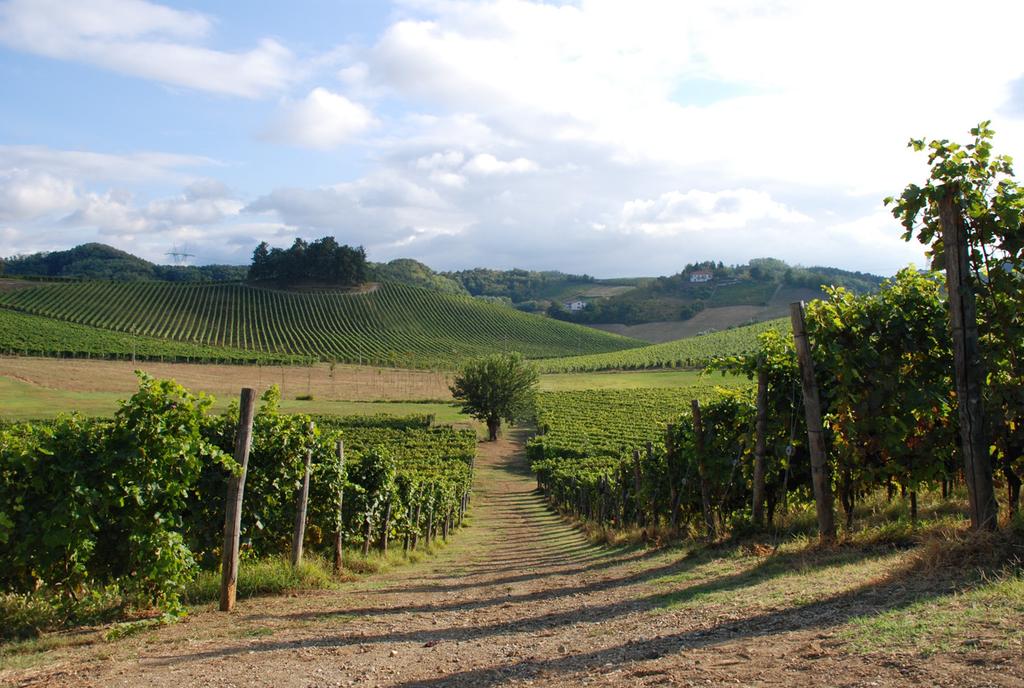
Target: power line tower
x: 180, y: 256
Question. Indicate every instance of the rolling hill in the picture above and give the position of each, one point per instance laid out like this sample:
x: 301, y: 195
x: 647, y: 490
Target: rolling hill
x: 693, y: 352
x: 386, y: 324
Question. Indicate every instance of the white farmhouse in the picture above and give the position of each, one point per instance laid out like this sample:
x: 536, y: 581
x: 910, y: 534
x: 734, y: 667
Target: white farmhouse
x: 575, y: 306
x: 701, y: 276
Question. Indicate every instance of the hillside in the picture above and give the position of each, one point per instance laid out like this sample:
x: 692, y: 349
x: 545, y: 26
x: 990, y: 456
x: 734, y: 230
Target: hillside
x: 693, y: 352
x: 763, y: 283
x: 22, y: 334
x: 389, y: 324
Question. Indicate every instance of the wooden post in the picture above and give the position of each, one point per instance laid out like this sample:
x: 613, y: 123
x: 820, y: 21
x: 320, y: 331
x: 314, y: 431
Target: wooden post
x: 759, y: 445
x: 705, y: 488
x: 386, y: 527
x: 430, y: 525
x: 653, y: 503
x: 673, y: 467
x: 367, y: 534
x: 416, y: 529
x: 963, y: 319
x: 233, y: 506
x: 815, y: 427
x: 300, y: 509
x: 637, y: 486
x: 339, y: 536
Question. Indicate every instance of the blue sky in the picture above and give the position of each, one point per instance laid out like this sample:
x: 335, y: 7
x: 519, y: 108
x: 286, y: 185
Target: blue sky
x: 603, y: 137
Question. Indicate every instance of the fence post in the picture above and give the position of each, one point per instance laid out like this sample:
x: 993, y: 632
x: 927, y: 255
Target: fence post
x: 417, y: 527
x: 385, y: 530
x: 339, y: 536
x: 638, y: 505
x: 673, y: 486
x: 759, y: 444
x: 815, y: 427
x: 300, y: 511
x: 963, y: 322
x: 233, y: 505
x: 705, y: 488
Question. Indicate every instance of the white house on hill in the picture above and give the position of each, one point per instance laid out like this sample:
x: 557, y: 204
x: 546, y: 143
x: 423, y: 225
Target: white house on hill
x: 574, y: 306
x: 701, y: 276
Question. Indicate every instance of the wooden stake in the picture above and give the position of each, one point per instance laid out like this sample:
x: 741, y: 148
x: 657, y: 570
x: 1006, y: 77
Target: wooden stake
x: 815, y: 427
x: 705, y: 488
x: 233, y: 506
x: 963, y: 320
x: 759, y: 445
x: 339, y: 536
x: 675, y: 488
x: 386, y: 527
x: 300, y: 511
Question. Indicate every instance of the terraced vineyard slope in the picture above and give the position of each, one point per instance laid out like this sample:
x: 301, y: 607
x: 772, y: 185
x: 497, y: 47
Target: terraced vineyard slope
x: 692, y: 352
x: 392, y: 324
x: 22, y: 334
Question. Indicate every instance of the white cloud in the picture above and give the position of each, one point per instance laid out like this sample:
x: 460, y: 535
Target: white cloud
x: 440, y: 161
x: 146, y: 40
x: 184, y: 210
x: 102, y: 167
x: 485, y: 163
x: 110, y: 213
x: 783, y: 91
x: 25, y: 194
x: 322, y: 120
x: 675, y: 212
x: 384, y: 210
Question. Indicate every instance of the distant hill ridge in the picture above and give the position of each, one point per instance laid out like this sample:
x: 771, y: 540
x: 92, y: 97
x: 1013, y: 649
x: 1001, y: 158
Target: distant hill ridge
x: 702, y: 296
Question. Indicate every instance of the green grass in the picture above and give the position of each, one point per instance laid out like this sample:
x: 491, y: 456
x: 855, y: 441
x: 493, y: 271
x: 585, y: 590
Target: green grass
x: 990, y: 615
x: 23, y: 401
x: 265, y: 577
x: 661, y: 379
x: 391, y: 325
x: 691, y: 352
x: 794, y: 576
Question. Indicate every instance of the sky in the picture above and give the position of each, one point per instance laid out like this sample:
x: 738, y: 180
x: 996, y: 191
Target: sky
x: 611, y: 138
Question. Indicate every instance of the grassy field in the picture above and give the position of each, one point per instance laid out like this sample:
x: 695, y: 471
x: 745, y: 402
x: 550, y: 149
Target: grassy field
x: 33, y: 387
x: 20, y: 400
x: 647, y: 379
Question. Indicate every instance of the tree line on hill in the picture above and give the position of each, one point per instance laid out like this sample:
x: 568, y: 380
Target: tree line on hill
x: 323, y: 261
x: 101, y: 262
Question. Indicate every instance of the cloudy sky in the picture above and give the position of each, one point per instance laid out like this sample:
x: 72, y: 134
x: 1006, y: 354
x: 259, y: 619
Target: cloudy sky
x: 614, y: 138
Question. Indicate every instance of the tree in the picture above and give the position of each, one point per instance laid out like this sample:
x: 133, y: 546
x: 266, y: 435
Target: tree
x: 260, y: 261
x: 496, y: 388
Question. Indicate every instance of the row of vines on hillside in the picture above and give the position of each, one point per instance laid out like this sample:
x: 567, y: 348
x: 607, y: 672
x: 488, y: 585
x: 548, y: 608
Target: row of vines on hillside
x: 31, y: 335
x: 692, y: 352
x: 139, y: 500
x: 392, y: 324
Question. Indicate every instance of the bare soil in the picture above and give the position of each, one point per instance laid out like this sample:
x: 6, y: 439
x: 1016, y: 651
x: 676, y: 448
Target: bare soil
x: 521, y: 598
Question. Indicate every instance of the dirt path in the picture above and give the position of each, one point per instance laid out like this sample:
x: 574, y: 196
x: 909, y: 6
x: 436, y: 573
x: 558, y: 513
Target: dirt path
x: 519, y: 598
